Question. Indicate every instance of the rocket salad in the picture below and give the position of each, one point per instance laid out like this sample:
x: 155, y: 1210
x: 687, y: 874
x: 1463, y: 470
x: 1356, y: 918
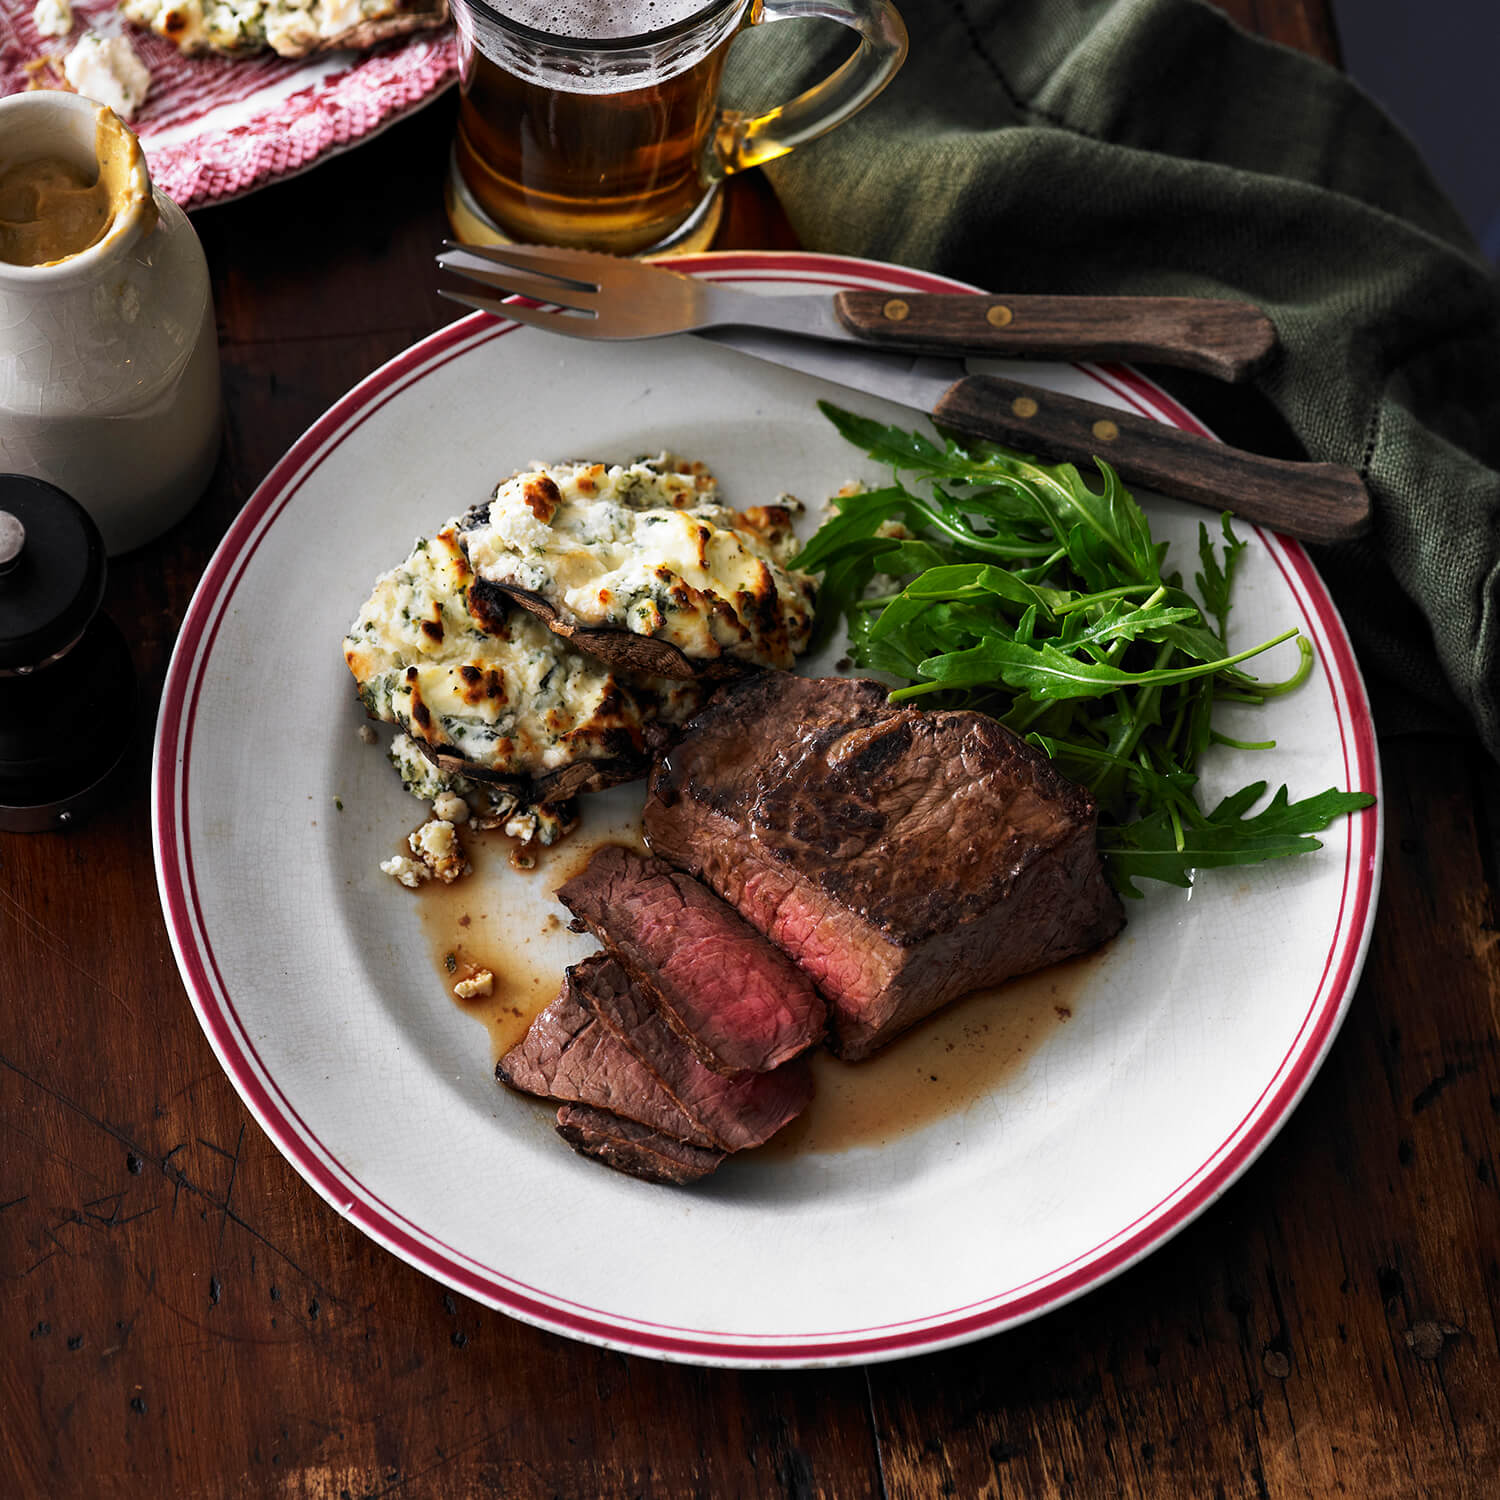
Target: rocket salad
x: 986, y: 580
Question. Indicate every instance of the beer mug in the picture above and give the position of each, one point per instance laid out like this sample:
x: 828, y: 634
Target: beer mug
x: 595, y: 123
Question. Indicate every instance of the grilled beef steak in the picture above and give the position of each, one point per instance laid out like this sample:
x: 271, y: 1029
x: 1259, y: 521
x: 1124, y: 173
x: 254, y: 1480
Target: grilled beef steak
x: 601, y: 1042
x: 736, y: 1111
x: 567, y: 1055
x: 737, y: 1001
x: 636, y: 1149
x: 901, y: 857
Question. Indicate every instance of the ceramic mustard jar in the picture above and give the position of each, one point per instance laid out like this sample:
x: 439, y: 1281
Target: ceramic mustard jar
x: 109, y: 361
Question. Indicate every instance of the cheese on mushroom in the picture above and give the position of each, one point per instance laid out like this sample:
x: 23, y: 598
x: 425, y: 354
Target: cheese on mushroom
x: 292, y: 28
x: 647, y: 548
x: 515, y: 700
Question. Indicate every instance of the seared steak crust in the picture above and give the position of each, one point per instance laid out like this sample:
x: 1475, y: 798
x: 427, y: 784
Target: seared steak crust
x: 737, y: 1001
x: 629, y: 1147
x: 901, y: 857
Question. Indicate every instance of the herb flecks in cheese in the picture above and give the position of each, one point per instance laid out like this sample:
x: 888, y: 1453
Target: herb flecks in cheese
x: 53, y: 17
x: 106, y: 70
x: 291, y: 28
x: 514, y: 699
x: 648, y: 548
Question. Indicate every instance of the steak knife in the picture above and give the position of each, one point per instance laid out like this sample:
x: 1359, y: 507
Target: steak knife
x: 604, y: 297
x: 884, y: 344
x: 1317, y: 502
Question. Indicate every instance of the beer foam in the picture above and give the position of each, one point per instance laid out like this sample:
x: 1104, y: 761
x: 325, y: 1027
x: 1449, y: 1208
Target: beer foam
x: 598, y: 20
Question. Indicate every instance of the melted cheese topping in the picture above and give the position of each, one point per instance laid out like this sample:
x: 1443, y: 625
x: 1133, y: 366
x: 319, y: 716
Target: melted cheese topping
x: 53, y: 17
x: 292, y: 28
x: 106, y: 70
x: 518, y: 701
x: 647, y: 547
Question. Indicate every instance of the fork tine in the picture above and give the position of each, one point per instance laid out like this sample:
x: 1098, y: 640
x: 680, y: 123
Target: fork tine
x: 518, y: 283
x: 521, y: 312
x: 626, y: 298
x: 589, y: 268
x: 530, y: 259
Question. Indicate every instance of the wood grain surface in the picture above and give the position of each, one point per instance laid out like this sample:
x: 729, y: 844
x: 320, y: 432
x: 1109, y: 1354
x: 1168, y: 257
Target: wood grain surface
x: 1226, y: 340
x: 183, y: 1317
x: 1316, y: 502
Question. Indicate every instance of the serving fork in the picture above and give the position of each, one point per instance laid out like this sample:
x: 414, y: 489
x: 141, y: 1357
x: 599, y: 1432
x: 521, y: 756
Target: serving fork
x: 911, y: 347
x: 597, y: 296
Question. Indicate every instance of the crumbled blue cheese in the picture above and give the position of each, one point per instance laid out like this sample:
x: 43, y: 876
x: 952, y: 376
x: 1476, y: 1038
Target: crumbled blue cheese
x: 647, y: 547
x: 481, y: 982
x: 487, y: 804
x: 292, y: 28
x: 437, y: 855
x: 408, y: 872
x: 437, y: 845
x: 515, y: 699
x: 450, y: 807
x: 543, y: 824
x: 53, y: 17
x: 106, y: 70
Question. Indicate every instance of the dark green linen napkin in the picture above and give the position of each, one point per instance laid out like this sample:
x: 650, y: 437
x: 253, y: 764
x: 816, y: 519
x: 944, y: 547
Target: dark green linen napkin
x: 1151, y: 146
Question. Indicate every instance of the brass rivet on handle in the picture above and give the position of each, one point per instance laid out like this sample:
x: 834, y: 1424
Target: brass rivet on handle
x: 1024, y: 406
x: 1105, y: 430
x: 998, y: 316
x: 896, y: 310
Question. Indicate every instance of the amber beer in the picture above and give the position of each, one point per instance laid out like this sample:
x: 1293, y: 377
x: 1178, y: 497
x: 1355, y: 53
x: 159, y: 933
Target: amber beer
x: 606, y: 162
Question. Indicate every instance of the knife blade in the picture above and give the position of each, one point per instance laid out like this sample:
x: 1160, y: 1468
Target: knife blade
x: 603, y: 297
x: 1316, y: 502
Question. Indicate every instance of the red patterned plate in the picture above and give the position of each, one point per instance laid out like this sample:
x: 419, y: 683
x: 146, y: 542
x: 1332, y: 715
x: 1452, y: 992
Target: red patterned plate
x: 215, y: 128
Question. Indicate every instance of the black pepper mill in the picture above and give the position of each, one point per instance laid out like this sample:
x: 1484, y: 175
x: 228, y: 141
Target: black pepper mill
x: 67, y: 685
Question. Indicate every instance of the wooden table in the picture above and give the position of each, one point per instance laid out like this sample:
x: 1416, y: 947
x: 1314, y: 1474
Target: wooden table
x: 184, y: 1317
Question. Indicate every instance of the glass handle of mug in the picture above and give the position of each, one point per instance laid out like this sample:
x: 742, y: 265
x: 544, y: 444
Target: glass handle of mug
x: 742, y: 140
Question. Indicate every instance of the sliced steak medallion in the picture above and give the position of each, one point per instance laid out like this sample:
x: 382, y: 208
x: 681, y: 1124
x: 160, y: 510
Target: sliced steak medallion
x: 902, y: 857
x: 737, y: 1001
x: 568, y: 1055
x: 736, y: 1111
x: 630, y: 1147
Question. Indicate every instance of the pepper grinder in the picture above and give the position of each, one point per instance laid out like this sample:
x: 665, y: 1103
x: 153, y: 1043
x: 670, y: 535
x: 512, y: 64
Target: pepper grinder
x: 67, y: 684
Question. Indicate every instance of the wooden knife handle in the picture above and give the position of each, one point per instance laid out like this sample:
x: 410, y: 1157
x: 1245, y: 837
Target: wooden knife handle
x: 1223, y: 339
x: 1316, y: 502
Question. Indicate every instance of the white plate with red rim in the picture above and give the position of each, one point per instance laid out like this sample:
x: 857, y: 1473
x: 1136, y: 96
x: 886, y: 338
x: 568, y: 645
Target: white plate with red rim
x: 1191, y: 1037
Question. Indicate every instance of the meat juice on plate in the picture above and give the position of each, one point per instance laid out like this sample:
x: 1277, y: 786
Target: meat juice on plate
x: 937, y: 1069
x: 940, y: 1067
x: 467, y: 922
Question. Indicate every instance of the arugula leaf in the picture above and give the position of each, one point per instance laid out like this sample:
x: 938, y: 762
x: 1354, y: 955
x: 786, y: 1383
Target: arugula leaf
x: 859, y: 517
x: 1021, y: 589
x: 1214, y: 582
x: 1150, y: 848
x: 1046, y: 672
x: 889, y: 445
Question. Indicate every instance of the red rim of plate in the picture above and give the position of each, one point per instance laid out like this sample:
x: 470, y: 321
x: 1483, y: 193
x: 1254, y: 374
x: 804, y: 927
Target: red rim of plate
x: 177, y: 882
